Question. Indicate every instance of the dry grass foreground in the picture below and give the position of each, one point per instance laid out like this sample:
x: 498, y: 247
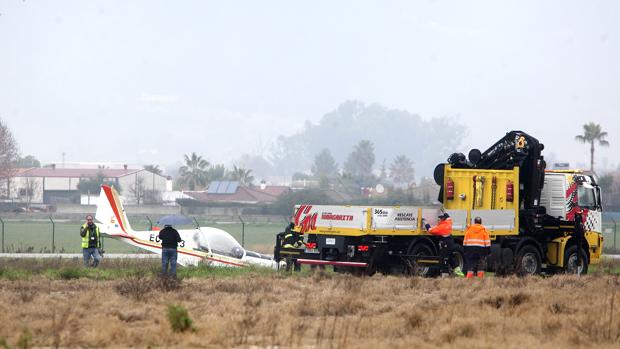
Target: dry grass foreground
x: 324, y: 310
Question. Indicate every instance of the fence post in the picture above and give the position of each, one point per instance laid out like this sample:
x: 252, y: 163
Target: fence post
x: 2, y: 221
x: 150, y: 223
x: 242, y: 231
x: 196, y: 221
x: 613, y: 220
x: 53, y: 234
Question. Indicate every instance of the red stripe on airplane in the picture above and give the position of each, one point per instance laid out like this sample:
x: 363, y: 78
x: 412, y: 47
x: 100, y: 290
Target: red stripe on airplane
x: 183, y: 252
x: 110, y: 196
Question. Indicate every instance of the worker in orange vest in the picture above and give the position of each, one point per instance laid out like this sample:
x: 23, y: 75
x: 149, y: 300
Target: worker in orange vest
x: 477, y: 245
x: 443, y: 230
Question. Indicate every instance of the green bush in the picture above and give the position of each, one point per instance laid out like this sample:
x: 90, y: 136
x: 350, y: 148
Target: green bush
x: 23, y: 342
x: 13, y: 274
x: 69, y: 273
x: 179, y: 319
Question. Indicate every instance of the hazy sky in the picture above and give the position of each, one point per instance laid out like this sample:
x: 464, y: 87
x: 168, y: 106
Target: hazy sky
x: 148, y: 81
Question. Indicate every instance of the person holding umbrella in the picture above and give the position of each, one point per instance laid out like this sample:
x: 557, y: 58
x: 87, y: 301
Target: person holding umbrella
x: 169, y: 238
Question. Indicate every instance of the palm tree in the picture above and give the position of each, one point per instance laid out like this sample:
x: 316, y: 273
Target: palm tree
x: 154, y: 169
x: 194, y: 172
x: 242, y: 175
x: 592, y: 133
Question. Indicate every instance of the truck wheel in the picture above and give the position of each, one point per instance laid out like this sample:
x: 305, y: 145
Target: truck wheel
x: 417, y: 269
x: 459, y: 256
x: 570, y: 261
x: 528, y: 261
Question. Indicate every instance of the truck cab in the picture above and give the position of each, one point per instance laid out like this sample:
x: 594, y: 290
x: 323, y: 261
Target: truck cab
x: 565, y: 195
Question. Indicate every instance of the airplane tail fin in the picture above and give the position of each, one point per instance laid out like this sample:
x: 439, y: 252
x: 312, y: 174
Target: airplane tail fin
x: 111, y: 214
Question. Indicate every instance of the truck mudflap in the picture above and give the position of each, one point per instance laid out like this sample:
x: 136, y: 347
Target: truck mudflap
x: 500, y: 258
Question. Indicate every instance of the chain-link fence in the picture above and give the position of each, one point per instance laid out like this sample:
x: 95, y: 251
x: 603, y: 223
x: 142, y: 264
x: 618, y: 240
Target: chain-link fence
x: 53, y: 235
x: 62, y: 235
x: 611, y: 243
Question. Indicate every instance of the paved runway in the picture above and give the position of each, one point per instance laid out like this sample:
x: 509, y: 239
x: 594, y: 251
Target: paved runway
x: 129, y: 255
x: 79, y: 255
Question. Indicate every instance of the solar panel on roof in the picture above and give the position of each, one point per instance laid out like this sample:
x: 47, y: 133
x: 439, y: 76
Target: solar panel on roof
x: 213, y: 187
x: 232, y: 187
x: 223, y: 187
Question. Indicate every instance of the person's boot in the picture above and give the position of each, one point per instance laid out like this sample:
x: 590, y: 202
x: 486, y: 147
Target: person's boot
x: 470, y: 275
x: 480, y: 274
x: 458, y: 272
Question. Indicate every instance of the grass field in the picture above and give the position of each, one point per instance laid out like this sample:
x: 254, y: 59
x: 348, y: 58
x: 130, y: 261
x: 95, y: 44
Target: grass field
x: 36, y: 236
x: 29, y: 236
x: 58, y: 304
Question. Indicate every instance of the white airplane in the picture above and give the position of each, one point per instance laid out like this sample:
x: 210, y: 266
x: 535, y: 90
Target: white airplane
x: 211, y: 246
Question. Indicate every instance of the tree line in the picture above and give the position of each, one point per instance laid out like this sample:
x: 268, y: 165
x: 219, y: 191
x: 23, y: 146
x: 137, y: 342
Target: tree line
x: 364, y: 166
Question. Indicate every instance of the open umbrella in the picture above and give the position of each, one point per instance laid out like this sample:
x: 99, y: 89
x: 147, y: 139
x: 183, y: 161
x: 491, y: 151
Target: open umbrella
x: 174, y: 220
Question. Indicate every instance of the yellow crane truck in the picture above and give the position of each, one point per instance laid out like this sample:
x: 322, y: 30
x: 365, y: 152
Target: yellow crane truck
x: 532, y: 216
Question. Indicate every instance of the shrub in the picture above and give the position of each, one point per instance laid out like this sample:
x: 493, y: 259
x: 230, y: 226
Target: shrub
x: 136, y: 287
x: 414, y: 320
x: 558, y: 308
x: 167, y: 284
x: 69, y: 273
x: 179, y: 319
x: 517, y: 299
x: 26, y: 293
x: 23, y: 342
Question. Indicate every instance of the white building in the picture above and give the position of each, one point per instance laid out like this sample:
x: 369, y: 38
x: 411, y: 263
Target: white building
x: 51, y: 185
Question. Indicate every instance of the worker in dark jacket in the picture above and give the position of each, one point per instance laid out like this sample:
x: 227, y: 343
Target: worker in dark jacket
x: 580, y: 236
x: 169, y: 238
x: 292, y: 239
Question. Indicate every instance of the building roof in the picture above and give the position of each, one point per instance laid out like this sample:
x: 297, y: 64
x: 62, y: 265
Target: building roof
x: 75, y: 172
x: 274, y: 190
x: 243, y: 194
x: 337, y: 196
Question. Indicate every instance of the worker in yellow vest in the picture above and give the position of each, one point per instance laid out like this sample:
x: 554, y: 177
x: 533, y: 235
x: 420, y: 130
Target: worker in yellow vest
x: 91, y: 242
x: 477, y: 245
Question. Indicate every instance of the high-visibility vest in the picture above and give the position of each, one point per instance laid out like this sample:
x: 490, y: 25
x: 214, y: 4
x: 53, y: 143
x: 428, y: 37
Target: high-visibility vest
x: 292, y: 240
x: 87, y: 236
x: 444, y: 228
x: 477, y: 235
